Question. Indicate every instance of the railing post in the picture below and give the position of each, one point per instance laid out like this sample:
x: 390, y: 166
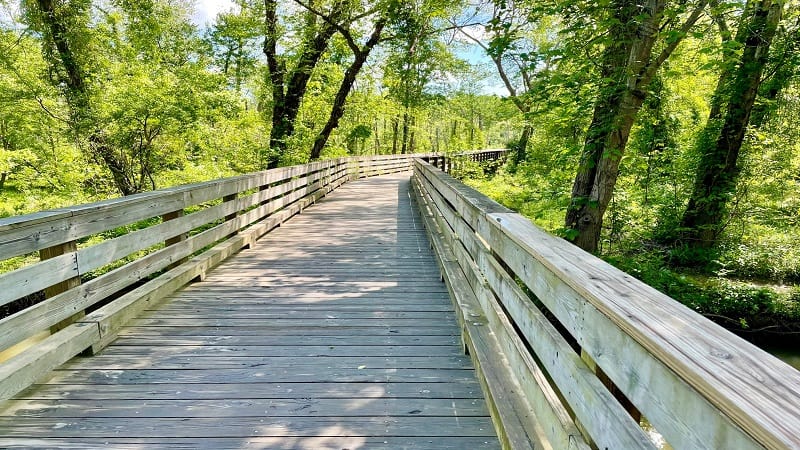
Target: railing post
x: 175, y: 239
x: 52, y: 291
x: 263, y: 188
x: 232, y: 215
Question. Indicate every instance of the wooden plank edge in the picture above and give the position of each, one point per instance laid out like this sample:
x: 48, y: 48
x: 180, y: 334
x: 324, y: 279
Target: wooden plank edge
x: 36, y: 362
x: 513, y: 430
x: 99, y: 329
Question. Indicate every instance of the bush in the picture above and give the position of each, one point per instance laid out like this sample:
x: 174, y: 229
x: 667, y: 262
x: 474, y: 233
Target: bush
x: 738, y: 306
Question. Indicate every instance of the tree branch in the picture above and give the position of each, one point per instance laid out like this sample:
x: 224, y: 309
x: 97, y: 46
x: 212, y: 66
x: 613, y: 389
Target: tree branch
x: 651, y: 69
x: 498, y: 62
x: 348, y: 37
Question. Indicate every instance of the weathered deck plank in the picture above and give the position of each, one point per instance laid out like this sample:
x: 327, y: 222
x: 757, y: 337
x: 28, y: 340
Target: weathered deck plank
x: 334, y: 331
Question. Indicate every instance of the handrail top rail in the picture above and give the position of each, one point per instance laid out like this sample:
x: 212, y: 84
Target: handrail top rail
x: 74, y: 210
x: 756, y: 390
x: 11, y: 222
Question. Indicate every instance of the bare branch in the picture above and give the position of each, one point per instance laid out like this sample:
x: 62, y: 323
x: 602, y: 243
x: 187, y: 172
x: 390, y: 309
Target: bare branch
x: 50, y: 113
x: 498, y: 62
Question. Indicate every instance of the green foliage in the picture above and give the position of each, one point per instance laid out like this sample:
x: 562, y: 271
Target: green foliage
x: 545, y: 203
x: 736, y: 305
x: 176, y: 104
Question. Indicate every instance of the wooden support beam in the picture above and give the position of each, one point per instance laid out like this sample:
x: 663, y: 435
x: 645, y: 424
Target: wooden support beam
x: 233, y: 215
x: 175, y: 239
x: 58, y: 288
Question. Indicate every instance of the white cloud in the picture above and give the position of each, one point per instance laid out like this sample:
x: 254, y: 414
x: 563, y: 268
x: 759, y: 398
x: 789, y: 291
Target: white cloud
x: 205, y: 11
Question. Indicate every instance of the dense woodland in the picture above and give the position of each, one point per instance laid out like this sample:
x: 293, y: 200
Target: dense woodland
x: 658, y: 134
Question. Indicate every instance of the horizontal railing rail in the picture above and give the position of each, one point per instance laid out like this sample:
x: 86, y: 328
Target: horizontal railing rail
x: 143, y: 247
x: 571, y: 351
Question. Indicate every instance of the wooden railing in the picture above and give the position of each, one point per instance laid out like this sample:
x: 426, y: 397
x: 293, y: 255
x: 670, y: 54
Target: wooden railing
x: 571, y: 351
x: 146, y: 246
x: 454, y: 162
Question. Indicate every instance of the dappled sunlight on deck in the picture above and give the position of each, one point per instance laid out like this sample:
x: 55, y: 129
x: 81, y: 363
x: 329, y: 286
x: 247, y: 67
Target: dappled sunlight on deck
x: 333, y: 331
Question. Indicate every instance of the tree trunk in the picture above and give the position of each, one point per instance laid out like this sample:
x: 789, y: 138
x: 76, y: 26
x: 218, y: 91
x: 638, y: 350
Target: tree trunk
x: 599, y: 168
x: 412, y: 134
x: 287, y: 97
x: 627, y: 68
x: 73, y: 80
x: 3, y: 178
x: 377, y: 144
x: 404, y: 143
x: 395, y: 124
x: 522, y: 145
x: 344, y: 89
x: 614, y: 113
x: 718, y: 172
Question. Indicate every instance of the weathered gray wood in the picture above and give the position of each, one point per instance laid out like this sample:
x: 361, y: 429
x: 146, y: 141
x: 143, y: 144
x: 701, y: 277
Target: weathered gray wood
x: 234, y: 390
x: 179, y: 237
x: 31, y: 279
x: 608, y: 423
x: 53, y: 289
x: 283, y: 313
x: 281, y: 427
x: 26, y: 234
x: 279, y: 354
x: 244, y: 311
x: 37, y: 277
x: 260, y: 442
x: 36, y: 362
x: 678, y: 362
x: 28, y: 322
x: 199, y: 360
x: 147, y: 337
x: 306, y: 351
x: 509, y: 410
x: 108, y: 319
x: 300, y: 332
x: 651, y: 384
x: 233, y: 409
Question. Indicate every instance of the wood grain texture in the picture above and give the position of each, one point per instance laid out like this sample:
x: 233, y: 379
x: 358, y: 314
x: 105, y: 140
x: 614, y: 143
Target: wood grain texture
x: 700, y: 385
x: 609, y: 424
x: 29, y: 233
x: 332, y: 331
x: 37, y: 277
x: 522, y: 412
x: 65, y: 305
x: 257, y: 442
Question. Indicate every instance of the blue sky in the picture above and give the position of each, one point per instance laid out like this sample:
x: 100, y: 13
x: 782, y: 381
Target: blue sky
x: 206, y: 10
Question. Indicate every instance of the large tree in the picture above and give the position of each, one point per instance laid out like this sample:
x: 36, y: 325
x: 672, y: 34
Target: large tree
x: 64, y: 28
x: 380, y: 14
x: 744, y: 61
x: 123, y: 68
x: 289, y: 76
x: 638, y: 38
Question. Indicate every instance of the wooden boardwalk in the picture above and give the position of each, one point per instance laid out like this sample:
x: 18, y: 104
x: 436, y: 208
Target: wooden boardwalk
x: 335, y: 331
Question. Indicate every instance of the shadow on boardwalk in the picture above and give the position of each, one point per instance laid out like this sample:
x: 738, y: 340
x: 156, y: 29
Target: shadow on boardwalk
x: 335, y: 331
